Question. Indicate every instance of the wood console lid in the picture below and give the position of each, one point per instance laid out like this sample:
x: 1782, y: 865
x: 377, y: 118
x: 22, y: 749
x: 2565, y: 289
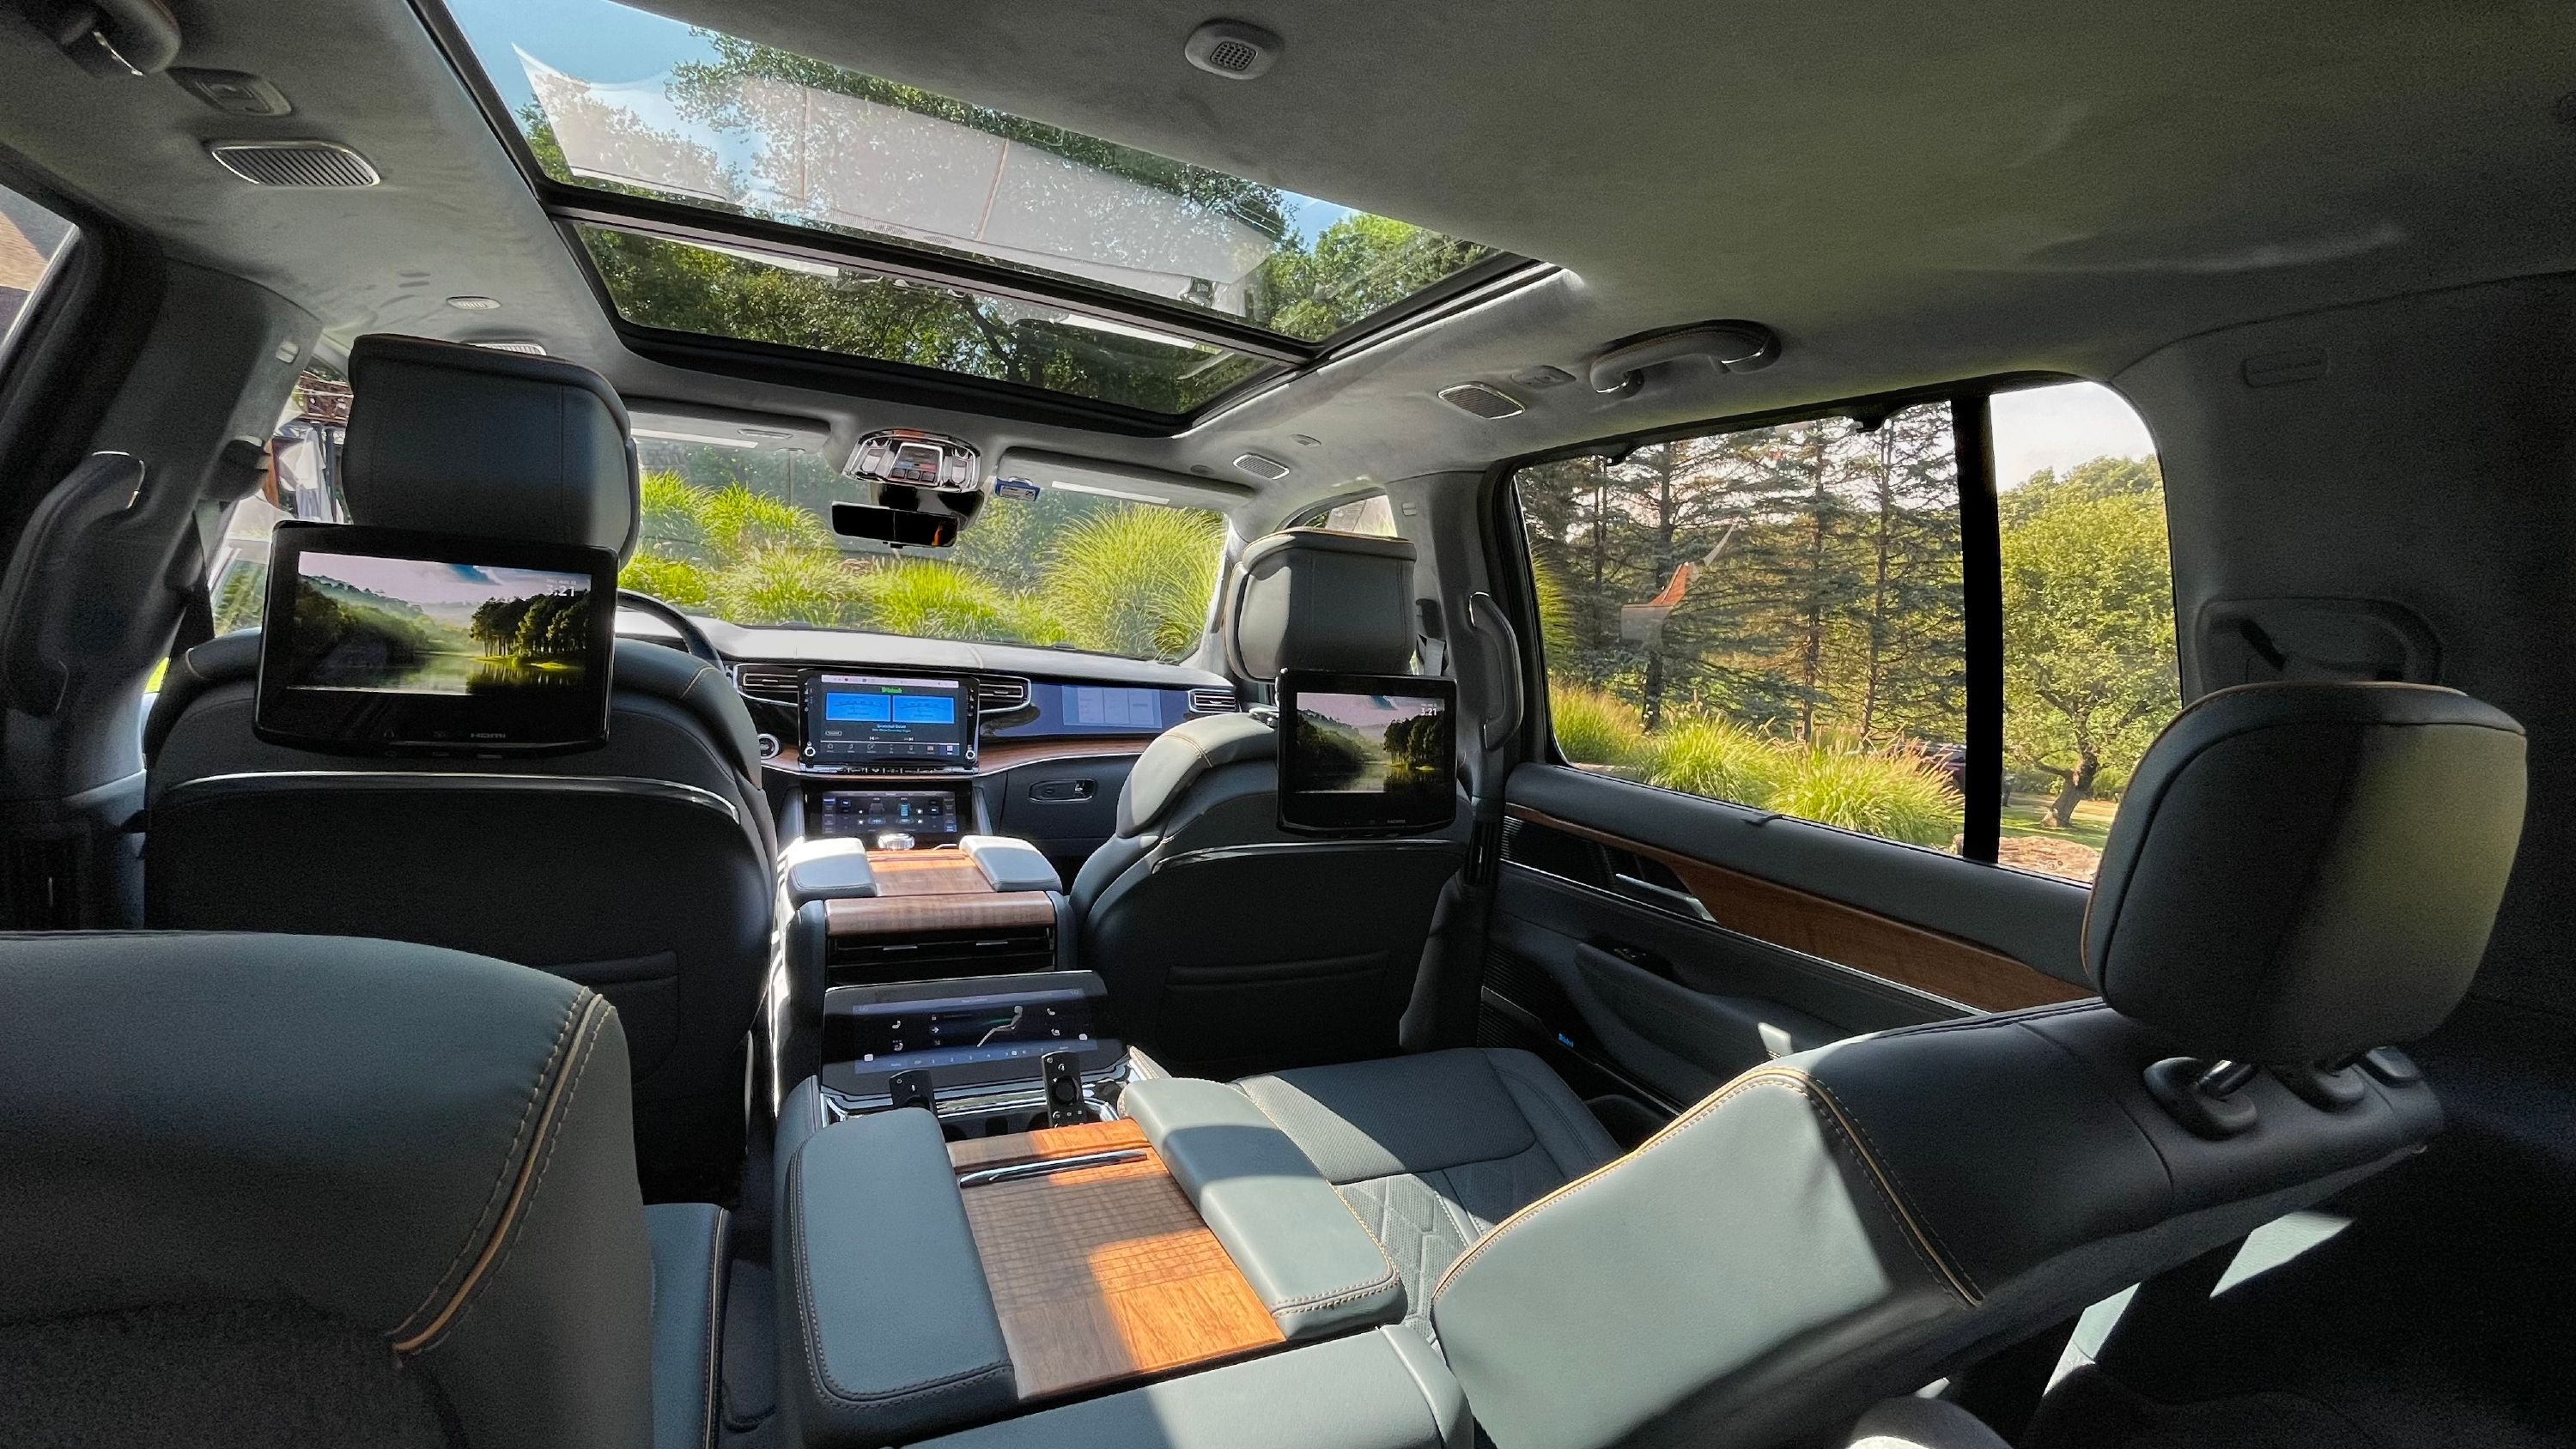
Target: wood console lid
x: 932, y: 890
x: 1102, y: 1272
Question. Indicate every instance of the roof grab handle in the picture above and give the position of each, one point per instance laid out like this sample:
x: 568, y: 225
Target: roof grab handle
x: 1731, y: 346
x: 109, y: 37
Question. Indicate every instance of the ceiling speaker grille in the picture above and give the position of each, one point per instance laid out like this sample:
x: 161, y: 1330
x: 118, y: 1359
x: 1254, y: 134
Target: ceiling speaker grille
x: 1232, y: 55
x: 1231, y: 49
x: 295, y: 163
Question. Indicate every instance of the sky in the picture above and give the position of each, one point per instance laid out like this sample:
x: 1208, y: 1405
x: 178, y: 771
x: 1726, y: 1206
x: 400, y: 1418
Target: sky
x: 612, y: 45
x: 437, y: 585
x: 2061, y: 426
x: 1365, y: 711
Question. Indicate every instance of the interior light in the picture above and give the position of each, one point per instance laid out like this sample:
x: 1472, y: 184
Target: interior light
x: 1097, y: 491
x: 710, y: 439
x: 475, y: 304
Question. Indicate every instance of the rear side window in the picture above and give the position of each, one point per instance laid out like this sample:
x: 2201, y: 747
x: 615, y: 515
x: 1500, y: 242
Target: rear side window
x: 1770, y: 616
x: 303, y: 483
x: 2089, y: 665
x: 32, y: 242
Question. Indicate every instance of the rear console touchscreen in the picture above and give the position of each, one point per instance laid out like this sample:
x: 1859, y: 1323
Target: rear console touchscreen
x: 929, y: 816
x: 888, y: 721
x: 966, y: 1033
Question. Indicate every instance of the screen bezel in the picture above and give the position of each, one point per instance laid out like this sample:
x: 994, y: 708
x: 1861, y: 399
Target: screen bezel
x: 552, y: 722
x: 810, y: 711
x: 1337, y: 813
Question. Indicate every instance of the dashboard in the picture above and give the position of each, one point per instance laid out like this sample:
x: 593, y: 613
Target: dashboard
x: 877, y: 735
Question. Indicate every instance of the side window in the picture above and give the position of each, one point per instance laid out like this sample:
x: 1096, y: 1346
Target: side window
x: 32, y: 239
x: 1771, y: 616
x: 2089, y: 664
x: 1372, y: 515
x: 303, y: 482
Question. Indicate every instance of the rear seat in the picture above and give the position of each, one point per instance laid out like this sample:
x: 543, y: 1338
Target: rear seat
x: 1433, y: 1150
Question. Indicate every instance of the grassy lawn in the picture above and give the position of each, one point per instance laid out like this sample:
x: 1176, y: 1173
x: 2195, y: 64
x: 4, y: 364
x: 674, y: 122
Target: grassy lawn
x: 2091, y: 826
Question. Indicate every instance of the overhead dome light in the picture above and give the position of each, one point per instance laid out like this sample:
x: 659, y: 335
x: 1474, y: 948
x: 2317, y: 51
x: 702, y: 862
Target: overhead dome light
x: 1232, y: 49
x: 524, y: 349
x: 475, y: 304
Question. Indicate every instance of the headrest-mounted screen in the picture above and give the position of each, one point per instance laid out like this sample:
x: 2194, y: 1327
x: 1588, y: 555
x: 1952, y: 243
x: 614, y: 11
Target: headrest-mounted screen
x: 1366, y: 754
x: 385, y: 641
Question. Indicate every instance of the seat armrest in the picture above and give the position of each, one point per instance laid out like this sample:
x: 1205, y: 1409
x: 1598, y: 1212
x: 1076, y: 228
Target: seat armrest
x: 1304, y: 1252
x: 1381, y: 1390
x: 688, y: 1315
x: 825, y: 870
x: 1012, y: 865
x: 886, y: 1327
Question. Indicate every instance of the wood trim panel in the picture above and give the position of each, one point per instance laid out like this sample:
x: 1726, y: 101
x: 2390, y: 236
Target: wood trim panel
x: 1046, y: 1144
x: 991, y: 758
x: 1103, y: 1274
x: 1831, y: 930
x: 927, y: 873
x: 904, y: 915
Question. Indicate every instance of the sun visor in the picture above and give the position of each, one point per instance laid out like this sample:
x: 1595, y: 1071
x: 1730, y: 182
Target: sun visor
x: 678, y: 422
x: 1129, y: 482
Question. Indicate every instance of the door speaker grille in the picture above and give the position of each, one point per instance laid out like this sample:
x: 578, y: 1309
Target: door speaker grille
x: 294, y: 163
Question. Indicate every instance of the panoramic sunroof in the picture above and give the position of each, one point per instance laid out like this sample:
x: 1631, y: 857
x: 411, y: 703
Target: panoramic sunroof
x: 622, y: 102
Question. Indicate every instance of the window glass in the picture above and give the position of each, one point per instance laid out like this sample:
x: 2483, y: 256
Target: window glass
x: 2089, y: 665
x: 1373, y: 516
x: 303, y: 482
x: 739, y: 535
x: 1770, y: 616
x: 31, y: 238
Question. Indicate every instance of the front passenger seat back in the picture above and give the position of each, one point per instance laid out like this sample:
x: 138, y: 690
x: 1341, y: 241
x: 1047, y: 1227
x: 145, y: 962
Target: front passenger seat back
x: 643, y: 868
x: 2300, y: 874
x: 1228, y: 944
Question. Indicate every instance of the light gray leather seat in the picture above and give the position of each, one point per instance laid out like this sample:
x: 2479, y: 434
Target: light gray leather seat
x: 2300, y: 873
x: 265, y: 1190
x: 643, y: 869
x: 1227, y: 943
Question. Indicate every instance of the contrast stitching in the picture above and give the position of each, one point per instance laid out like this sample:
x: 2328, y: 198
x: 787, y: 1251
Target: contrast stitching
x: 1361, y: 1290
x: 1783, y: 1078
x: 819, y: 1372
x: 1950, y: 1261
x: 595, y: 1015
x: 501, y: 1178
x: 715, y: 1324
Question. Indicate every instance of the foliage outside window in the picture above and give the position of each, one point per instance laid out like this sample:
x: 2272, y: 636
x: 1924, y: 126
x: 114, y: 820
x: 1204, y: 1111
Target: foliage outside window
x: 2089, y: 665
x: 740, y: 536
x: 1774, y: 617
x: 1770, y: 616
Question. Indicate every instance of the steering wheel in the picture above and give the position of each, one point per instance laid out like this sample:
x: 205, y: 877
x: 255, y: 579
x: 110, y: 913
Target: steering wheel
x: 692, y: 638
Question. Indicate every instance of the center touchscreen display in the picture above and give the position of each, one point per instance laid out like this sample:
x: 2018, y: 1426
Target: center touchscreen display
x: 858, y: 718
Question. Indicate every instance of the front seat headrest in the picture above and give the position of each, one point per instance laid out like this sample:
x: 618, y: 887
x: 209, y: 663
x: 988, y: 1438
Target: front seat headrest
x: 2300, y: 872
x: 454, y: 439
x: 1308, y: 598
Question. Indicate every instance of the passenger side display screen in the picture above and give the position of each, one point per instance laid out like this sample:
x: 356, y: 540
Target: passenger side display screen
x: 1363, y: 754
x: 859, y: 718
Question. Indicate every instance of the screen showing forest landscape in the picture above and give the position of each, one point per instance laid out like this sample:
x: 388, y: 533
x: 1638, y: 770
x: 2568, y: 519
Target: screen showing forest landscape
x: 1774, y: 617
x: 738, y: 535
x: 412, y: 626
x: 1364, y: 754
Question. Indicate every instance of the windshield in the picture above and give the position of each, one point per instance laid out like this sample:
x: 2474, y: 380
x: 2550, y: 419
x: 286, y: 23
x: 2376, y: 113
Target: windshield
x: 739, y: 535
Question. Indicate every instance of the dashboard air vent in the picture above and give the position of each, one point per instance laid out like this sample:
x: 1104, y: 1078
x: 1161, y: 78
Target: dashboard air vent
x: 770, y: 682
x: 996, y: 693
x: 1213, y: 701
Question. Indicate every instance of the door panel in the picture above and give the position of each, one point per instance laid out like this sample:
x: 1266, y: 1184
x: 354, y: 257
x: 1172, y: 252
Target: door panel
x: 1658, y: 944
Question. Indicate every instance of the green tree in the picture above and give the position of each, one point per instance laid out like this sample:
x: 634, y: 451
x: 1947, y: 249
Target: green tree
x: 2089, y: 665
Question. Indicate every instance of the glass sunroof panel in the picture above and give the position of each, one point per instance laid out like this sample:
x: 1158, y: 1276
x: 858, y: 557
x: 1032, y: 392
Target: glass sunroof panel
x: 621, y: 100
x: 791, y: 302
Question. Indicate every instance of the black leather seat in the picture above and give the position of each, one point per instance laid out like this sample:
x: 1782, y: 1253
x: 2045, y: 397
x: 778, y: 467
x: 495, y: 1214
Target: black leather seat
x: 644, y: 869
x: 1228, y: 944
x: 2300, y: 874
x: 265, y: 1190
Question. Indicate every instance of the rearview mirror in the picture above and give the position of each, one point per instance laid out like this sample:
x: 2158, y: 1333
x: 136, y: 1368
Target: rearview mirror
x: 902, y: 527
